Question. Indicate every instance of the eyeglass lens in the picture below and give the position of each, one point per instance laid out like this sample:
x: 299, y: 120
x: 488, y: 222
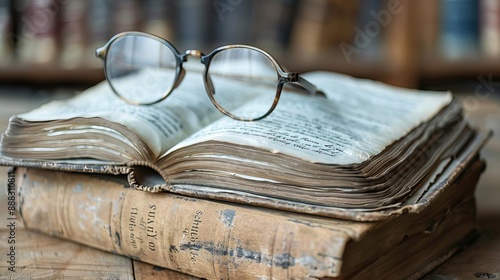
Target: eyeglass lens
x: 143, y: 70
x: 243, y: 74
x: 140, y: 69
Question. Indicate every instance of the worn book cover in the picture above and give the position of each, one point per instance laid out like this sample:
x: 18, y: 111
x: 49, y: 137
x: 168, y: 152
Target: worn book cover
x: 220, y: 240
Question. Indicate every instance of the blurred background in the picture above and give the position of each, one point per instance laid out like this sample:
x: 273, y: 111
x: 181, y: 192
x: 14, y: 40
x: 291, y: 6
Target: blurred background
x: 47, y: 52
x: 47, y: 46
x: 418, y: 44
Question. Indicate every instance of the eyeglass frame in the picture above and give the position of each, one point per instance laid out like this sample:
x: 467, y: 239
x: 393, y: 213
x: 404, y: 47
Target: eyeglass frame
x: 283, y: 76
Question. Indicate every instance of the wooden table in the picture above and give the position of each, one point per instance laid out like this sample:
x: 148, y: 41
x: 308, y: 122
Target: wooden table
x: 50, y: 258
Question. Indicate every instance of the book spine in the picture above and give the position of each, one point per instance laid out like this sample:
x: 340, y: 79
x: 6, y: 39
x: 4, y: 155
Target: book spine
x: 490, y: 27
x: 5, y: 31
x: 193, y: 24
x: 126, y: 15
x: 459, y: 28
x: 198, y: 237
x: 370, y: 43
x: 271, y: 23
x: 38, y: 41
x: 309, y: 27
x: 157, y: 18
x: 428, y: 31
x: 6, y: 51
x: 233, y: 21
x: 98, y: 25
x: 73, y: 34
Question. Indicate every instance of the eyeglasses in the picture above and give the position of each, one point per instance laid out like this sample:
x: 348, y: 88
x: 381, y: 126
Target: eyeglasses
x: 144, y: 69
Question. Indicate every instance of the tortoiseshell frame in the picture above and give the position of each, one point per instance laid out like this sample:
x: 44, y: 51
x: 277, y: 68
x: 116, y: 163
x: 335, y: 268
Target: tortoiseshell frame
x: 284, y: 77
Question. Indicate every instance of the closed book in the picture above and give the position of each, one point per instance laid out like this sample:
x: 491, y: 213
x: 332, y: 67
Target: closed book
x: 217, y: 240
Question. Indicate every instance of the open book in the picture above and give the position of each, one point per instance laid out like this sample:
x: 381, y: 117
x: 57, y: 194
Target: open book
x: 365, y: 148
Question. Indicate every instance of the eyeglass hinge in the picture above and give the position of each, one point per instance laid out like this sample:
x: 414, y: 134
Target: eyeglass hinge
x: 292, y: 77
x: 100, y: 52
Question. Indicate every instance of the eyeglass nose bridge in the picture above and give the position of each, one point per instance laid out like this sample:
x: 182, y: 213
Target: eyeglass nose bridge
x: 183, y: 57
x: 199, y: 54
x: 195, y: 53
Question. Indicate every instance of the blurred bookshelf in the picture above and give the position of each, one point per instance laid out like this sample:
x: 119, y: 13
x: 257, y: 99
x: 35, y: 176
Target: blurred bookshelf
x: 399, y: 42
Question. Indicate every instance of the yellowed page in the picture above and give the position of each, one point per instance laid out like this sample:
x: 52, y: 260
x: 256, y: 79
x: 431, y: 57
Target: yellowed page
x: 160, y: 126
x: 186, y: 110
x: 356, y: 121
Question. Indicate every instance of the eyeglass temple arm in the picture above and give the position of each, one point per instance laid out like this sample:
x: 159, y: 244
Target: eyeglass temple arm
x: 311, y: 88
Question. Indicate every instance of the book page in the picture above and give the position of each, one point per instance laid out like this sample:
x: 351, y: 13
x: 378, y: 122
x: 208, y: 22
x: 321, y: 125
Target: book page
x: 162, y: 125
x: 356, y: 121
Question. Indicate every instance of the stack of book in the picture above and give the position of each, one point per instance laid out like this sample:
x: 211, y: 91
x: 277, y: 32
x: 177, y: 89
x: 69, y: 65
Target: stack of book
x: 370, y: 181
